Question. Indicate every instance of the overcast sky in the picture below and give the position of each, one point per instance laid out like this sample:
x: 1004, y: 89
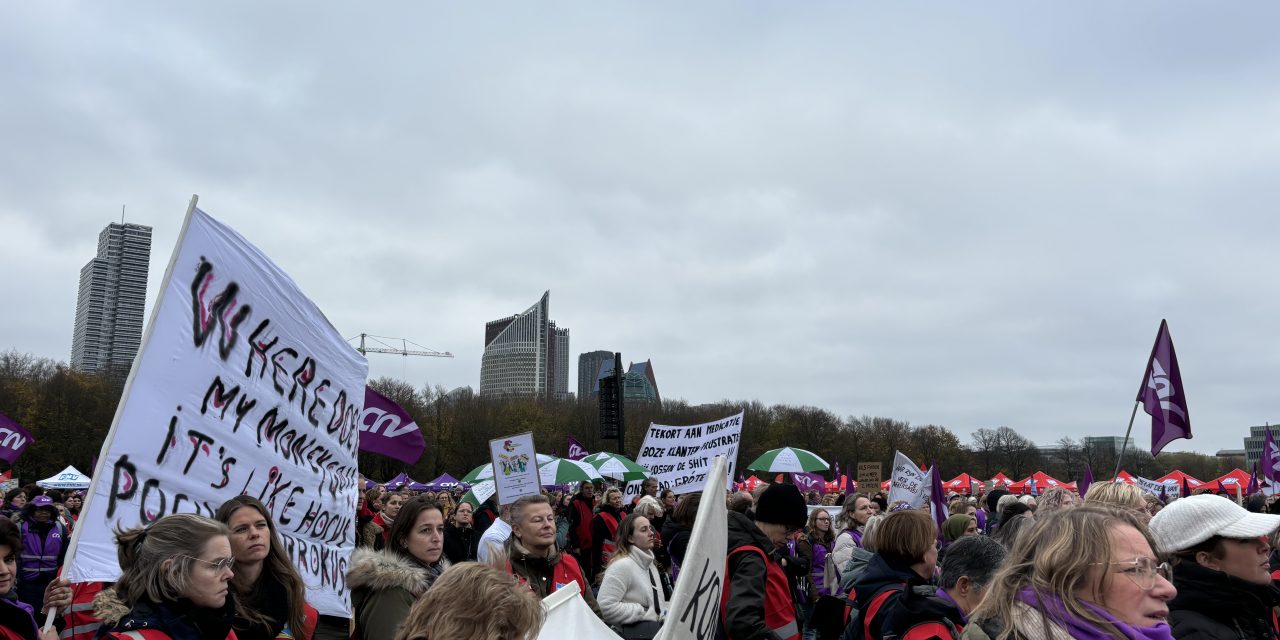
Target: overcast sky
x: 968, y: 215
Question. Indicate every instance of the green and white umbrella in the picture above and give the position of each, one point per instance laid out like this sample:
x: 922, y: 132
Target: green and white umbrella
x: 562, y: 471
x: 619, y: 467
x: 789, y: 459
x: 479, y: 493
x: 485, y: 471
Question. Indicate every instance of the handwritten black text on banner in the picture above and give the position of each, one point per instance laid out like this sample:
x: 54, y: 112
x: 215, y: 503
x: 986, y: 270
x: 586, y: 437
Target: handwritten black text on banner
x: 680, y: 457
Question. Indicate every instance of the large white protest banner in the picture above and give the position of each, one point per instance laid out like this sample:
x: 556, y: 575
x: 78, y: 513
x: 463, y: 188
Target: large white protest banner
x: 909, y: 484
x: 569, y: 616
x: 695, y: 603
x: 241, y: 386
x: 680, y: 457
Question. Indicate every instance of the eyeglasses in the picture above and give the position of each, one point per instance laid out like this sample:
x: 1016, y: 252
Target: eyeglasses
x: 1143, y: 571
x: 218, y: 565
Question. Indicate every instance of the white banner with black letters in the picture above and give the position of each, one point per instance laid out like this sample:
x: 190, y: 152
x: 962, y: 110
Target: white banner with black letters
x: 680, y: 457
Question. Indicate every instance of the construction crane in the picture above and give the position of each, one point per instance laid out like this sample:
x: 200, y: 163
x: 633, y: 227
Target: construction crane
x: 402, y: 351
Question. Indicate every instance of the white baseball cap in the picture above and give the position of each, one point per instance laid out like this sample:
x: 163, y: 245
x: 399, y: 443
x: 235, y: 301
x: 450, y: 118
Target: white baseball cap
x: 1187, y: 522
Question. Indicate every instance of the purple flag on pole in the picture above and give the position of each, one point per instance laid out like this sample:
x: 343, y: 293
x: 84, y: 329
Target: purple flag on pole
x: 1268, y: 464
x: 389, y: 430
x: 837, y: 478
x: 937, y: 498
x: 1162, y: 395
x: 13, y: 439
x: 1164, y: 494
x: 1253, y: 482
x: 1086, y: 480
x: 849, y: 488
x: 807, y: 482
x: 1186, y: 487
x: 576, y: 450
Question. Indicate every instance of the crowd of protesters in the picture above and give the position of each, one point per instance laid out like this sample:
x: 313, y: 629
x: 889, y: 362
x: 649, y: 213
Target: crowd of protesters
x: 1118, y: 563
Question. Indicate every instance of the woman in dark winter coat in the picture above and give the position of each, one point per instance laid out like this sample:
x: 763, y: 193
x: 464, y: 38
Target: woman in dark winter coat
x: 461, y: 541
x: 678, y: 529
x: 1221, y: 569
x: 175, y: 582
x: 384, y: 584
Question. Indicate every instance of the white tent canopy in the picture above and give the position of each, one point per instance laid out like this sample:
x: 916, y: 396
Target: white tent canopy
x: 69, y: 478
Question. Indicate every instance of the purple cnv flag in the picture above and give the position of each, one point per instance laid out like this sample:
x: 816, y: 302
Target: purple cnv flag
x: 807, y: 482
x: 13, y: 439
x: 937, y: 499
x: 1087, y: 480
x: 576, y: 450
x: 389, y: 430
x: 1268, y: 464
x: 1162, y: 394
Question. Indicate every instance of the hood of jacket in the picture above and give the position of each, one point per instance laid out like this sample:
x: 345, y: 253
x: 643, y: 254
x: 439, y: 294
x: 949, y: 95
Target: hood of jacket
x: 880, y: 574
x: 181, y: 621
x: 744, y: 532
x: 385, y: 569
x: 1220, y: 596
x: 670, y: 528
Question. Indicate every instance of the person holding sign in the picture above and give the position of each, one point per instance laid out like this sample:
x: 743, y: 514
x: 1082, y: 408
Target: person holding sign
x: 385, y: 583
x: 269, y: 588
x: 756, y: 602
x: 175, y: 582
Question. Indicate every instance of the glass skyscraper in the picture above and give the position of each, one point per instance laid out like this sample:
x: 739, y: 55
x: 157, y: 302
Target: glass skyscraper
x: 526, y: 354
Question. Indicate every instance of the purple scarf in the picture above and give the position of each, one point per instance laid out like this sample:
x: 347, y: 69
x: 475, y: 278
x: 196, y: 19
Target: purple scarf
x: 1085, y: 630
x: 942, y: 593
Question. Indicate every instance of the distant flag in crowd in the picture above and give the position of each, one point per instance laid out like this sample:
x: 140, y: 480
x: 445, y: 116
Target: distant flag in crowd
x: 937, y: 498
x: 837, y: 471
x: 1162, y: 395
x: 575, y: 449
x: 1186, y: 487
x: 851, y: 487
x: 13, y: 439
x: 1164, y: 494
x: 1267, y: 464
x: 1222, y: 488
x: 1086, y: 480
x: 1253, y: 481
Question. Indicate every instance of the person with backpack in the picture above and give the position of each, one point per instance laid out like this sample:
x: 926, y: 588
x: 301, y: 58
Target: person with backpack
x: 756, y: 602
x: 44, y: 548
x: 174, y: 583
x: 906, y: 557
x: 941, y: 613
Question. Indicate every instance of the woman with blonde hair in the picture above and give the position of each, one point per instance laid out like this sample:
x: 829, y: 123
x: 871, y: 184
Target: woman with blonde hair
x: 604, y: 532
x: 1090, y: 573
x: 1118, y: 495
x: 269, y: 588
x: 175, y: 582
x: 510, y: 611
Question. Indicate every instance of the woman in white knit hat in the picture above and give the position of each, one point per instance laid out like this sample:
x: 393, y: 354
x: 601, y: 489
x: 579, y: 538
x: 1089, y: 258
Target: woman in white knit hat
x: 1222, y: 570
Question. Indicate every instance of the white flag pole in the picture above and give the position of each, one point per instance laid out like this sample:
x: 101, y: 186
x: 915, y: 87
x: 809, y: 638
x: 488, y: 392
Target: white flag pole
x: 128, y: 384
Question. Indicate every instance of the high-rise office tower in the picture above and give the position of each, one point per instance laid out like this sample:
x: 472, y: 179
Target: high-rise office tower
x: 526, y: 354
x: 112, y: 299
x: 589, y: 371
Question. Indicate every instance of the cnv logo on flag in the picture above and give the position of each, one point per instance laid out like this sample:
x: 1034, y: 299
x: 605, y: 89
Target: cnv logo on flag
x: 1160, y: 383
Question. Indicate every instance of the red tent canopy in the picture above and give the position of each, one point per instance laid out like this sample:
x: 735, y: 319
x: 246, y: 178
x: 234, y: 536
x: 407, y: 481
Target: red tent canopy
x: 962, y: 483
x: 832, y: 486
x: 750, y: 483
x: 1125, y: 477
x: 1231, y: 478
x: 1043, y: 483
x: 1001, y: 480
x: 1179, y: 477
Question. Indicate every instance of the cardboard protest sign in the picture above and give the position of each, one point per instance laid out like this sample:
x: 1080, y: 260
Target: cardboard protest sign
x: 694, y: 611
x: 387, y: 429
x: 909, y: 484
x: 241, y: 386
x: 515, y: 467
x: 869, y: 475
x: 680, y: 457
x: 1170, y: 487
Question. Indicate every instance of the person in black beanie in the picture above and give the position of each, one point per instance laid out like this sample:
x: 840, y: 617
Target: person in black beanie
x: 757, y: 602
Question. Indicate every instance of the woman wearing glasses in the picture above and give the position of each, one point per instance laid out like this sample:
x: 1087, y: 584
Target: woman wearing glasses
x: 813, y: 548
x: 1221, y: 560
x: 175, y: 582
x: 1088, y: 573
x: 267, y: 586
